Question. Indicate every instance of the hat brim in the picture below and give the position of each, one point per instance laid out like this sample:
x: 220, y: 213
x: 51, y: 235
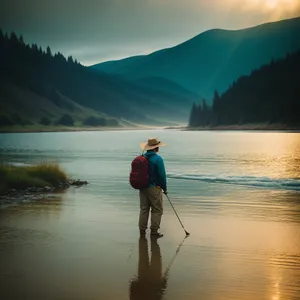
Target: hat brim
x: 145, y: 147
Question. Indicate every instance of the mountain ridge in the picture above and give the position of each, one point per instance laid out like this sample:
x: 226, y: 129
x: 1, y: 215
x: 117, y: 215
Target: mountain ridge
x: 212, y: 59
x: 62, y: 84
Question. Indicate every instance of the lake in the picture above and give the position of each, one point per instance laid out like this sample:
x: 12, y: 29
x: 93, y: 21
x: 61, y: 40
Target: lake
x: 237, y: 193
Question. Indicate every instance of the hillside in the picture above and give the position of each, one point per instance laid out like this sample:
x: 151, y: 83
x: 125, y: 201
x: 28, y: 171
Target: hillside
x: 165, y: 86
x: 213, y: 59
x: 23, y: 106
x: 269, y: 95
x: 37, y: 84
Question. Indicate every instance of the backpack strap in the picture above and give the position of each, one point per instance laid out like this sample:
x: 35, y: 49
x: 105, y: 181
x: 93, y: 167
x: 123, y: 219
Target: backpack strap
x: 150, y: 177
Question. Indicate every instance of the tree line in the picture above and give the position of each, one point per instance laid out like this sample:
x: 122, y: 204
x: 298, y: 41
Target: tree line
x: 13, y: 47
x: 32, y: 67
x: 270, y: 94
x: 39, y: 70
x: 51, y: 75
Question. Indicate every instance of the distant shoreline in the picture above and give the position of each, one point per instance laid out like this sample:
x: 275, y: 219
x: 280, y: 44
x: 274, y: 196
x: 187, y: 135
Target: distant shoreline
x: 69, y: 129
x: 254, y: 127
x: 246, y: 127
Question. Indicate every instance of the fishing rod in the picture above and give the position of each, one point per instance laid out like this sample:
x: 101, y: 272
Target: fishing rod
x: 186, y: 233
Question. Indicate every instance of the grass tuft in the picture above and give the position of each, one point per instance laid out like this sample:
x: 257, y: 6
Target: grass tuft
x: 22, y: 177
x: 49, y: 172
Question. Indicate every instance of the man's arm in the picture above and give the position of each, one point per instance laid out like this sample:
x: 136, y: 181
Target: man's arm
x: 161, y: 171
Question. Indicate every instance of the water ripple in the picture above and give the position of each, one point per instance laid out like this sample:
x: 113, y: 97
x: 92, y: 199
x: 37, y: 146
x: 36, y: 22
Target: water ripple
x: 261, y: 182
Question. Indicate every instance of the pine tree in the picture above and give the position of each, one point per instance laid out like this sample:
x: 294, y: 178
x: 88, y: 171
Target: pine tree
x: 1, y: 37
x: 48, y: 51
x: 216, y: 100
x: 13, y: 38
x: 205, y: 113
x: 70, y: 60
x: 200, y: 116
x: 21, y: 40
x: 34, y: 48
x: 60, y: 58
x: 215, y: 108
x: 193, y: 116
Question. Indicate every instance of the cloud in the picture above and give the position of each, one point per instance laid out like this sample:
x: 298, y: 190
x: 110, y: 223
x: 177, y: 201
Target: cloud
x: 122, y: 28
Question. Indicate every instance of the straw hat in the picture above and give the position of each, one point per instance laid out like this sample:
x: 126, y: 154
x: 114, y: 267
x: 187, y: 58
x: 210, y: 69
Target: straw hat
x: 152, y: 144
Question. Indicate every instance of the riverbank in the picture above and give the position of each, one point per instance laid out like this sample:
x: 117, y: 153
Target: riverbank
x: 14, y: 196
x: 262, y: 126
x: 27, y: 129
x: 32, y: 176
x: 33, y: 129
x: 33, y: 182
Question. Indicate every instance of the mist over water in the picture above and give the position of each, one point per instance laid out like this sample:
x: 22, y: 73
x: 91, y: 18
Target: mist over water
x: 238, y: 193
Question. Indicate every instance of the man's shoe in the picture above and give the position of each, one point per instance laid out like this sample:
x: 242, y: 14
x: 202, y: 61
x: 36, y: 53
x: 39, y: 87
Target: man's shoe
x: 156, y: 234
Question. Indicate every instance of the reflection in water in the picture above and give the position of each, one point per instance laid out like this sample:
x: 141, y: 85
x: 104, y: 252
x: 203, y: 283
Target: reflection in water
x: 246, y: 237
x: 150, y: 283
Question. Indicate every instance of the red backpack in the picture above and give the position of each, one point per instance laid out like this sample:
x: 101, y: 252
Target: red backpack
x: 139, y: 175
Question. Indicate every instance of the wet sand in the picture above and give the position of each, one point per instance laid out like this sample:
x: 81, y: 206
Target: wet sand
x: 80, y: 248
x: 237, y: 194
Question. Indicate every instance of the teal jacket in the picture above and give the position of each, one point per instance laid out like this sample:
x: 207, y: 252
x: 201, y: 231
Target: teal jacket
x: 157, y: 171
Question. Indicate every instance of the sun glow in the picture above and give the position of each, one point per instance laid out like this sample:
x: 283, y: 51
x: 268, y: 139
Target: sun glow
x: 280, y: 4
x: 274, y: 9
x: 272, y: 3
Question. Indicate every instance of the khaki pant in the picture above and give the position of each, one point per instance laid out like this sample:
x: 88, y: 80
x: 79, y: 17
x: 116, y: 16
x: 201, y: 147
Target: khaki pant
x: 151, y: 198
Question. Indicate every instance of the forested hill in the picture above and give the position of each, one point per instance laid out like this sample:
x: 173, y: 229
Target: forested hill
x: 270, y: 94
x: 36, y: 84
x: 214, y: 58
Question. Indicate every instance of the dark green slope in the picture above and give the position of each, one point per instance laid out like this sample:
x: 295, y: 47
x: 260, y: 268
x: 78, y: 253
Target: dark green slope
x: 63, y: 85
x: 213, y: 59
x: 269, y: 95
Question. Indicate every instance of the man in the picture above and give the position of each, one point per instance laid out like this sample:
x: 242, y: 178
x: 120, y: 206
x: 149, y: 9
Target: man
x: 151, y: 197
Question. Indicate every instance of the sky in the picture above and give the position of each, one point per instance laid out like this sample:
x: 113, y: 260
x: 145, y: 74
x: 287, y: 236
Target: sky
x: 94, y: 31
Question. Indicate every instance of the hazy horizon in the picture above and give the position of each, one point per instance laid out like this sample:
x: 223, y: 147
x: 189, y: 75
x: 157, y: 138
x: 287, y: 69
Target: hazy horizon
x: 97, y: 31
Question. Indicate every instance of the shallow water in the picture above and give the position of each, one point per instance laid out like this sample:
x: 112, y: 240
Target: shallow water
x: 238, y: 193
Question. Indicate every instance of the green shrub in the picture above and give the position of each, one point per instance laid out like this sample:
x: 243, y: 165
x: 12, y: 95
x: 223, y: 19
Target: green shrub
x: 18, y: 120
x: 112, y: 123
x: 5, y: 120
x: 66, y: 120
x: 94, y: 121
x: 45, y: 121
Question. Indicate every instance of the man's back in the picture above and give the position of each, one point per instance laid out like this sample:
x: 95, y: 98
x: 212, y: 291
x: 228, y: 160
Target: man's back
x: 157, y: 170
